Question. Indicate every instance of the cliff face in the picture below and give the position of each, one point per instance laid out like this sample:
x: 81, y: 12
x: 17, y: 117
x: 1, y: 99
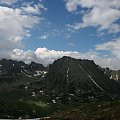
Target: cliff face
x: 74, y: 78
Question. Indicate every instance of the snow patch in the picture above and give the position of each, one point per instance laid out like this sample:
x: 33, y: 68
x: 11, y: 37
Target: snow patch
x: 58, y: 98
x: 19, y: 118
x: 25, y: 74
x: 111, y: 77
x: 91, y: 78
x: 44, y: 118
x: 41, y: 91
x: 54, y: 101
x: 117, y: 77
x: 67, y: 75
x: 71, y: 94
x: 26, y: 71
x: 44, y: 72
x: 22, y: 66
x: 40, y: 73
x: 26, y: 87
x: 43, y: 76
x: 33, y: 94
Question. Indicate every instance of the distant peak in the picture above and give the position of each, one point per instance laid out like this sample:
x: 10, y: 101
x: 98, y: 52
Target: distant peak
x: 66, y: 57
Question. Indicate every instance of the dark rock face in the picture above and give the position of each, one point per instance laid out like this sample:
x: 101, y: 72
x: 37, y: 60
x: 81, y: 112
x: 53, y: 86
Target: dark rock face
x: 112, y: 74
x: 67, y: 79
x: 15, y: 73
x: 79, y: 78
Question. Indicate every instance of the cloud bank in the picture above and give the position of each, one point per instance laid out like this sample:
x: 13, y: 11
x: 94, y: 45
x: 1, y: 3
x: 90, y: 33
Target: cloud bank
x: 102, y: 14
x: 16, y: 24
x: 46, y: 57
x: 8, y: 2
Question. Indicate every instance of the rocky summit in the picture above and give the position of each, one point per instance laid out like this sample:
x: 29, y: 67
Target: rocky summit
x: 79, y: 79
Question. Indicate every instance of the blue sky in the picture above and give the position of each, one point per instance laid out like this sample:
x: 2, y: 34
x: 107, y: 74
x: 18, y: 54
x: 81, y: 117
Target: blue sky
x: 44, y: 30
x: 58, y: 18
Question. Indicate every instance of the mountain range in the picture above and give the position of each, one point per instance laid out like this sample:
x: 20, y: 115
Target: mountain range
x: 67, y: 80
x: 73, y: 77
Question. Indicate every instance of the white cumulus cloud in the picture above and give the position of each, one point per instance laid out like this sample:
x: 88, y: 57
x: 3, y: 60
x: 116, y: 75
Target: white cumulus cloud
x: 16, y: 24
x: 102, y: 14
x: 34, y: 9
x: 8, y: 2
x: 45, y: 56
x: 112, y: 46
x: 44, y: 36
x: 26, y: 56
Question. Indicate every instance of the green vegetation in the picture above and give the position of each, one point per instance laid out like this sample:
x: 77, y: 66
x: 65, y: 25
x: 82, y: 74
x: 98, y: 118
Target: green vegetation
x: 105, y: 110
x: 19, y: 103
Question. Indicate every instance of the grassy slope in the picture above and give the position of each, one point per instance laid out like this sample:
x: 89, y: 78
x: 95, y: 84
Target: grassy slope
x: 107, y: 110
x: 18, y: 103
